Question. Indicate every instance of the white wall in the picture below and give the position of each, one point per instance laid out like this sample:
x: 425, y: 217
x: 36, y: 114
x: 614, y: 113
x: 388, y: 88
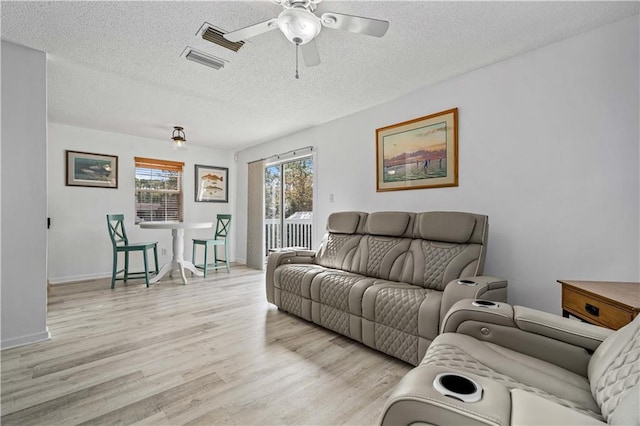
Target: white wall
x: 79, y: 244
x: 24, y: 196
x: 548, y: 149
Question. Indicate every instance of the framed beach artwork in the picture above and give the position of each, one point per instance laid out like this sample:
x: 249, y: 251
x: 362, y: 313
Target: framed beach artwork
x: 417, y: 154
x: 94, y: 170
x: 212, y: 184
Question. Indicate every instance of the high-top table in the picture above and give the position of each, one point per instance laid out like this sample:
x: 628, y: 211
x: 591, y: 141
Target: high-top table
x: 178, y: 262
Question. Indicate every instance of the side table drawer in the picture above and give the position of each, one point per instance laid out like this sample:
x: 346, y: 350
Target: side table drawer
x: 594, y: 310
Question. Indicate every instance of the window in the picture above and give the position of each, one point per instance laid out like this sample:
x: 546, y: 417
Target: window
x: 158, y: 190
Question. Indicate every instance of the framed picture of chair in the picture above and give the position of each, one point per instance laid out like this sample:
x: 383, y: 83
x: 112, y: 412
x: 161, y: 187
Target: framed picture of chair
x: 93, y: 170
x: 419, y: 153
x: 211, y: 184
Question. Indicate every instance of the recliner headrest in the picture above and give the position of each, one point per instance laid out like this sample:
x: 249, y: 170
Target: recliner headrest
x: 392, y: 224
x: 344, y: 222
x: 453, y: 227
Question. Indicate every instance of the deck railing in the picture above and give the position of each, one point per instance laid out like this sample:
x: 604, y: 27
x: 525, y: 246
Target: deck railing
x: 297, y: 233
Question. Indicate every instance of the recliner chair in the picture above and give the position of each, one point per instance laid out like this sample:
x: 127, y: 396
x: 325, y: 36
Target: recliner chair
x: 497, y: 364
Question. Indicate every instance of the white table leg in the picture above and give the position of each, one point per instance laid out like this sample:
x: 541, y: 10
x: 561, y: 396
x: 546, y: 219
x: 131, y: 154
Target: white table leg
x: 167, y: 267
x: 190, y: 266
x: 178, y: 251
x: 177, y: 262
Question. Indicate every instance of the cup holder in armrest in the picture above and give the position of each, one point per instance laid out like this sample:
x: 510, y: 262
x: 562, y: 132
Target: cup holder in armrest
x: 469, y: 283
x: 458, y: 386
x: 484, y: 304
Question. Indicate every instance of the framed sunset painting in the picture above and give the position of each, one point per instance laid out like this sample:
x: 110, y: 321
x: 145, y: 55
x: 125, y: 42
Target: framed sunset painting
x: 212, y: 184
x: 417, y: 154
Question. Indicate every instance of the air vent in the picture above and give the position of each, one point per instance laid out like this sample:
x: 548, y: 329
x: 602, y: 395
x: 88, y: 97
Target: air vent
x: 214, y: 35
x: 202, y: 58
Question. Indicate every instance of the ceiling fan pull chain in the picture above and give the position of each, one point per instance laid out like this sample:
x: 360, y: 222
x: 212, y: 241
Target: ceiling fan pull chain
x: 297, y: 47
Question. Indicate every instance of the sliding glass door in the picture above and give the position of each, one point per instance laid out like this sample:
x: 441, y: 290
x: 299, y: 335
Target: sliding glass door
x: 288, y: 204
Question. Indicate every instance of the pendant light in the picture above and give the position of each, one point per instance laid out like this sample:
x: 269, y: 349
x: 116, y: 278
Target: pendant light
x: 179, y: 138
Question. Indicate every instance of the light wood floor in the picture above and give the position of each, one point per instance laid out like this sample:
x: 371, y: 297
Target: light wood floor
x: 211, y: 352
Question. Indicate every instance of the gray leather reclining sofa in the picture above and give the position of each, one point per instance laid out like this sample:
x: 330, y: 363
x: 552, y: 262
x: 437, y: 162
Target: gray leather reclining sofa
x: 386, y: 279
x: 511, y: 365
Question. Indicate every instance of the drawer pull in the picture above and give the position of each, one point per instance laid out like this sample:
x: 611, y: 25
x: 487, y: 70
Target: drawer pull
x: 593, y: 310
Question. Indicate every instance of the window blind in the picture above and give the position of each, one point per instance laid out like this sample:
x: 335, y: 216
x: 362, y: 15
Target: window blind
x: 158, y: 190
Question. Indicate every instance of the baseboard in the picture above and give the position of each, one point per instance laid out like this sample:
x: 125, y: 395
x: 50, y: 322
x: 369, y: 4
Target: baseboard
x: 88, y: 277
x: 74, y: 278
x: 25, y: 340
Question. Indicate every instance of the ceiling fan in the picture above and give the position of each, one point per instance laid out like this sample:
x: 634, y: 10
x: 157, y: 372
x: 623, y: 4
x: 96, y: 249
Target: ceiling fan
x: 301, y: 25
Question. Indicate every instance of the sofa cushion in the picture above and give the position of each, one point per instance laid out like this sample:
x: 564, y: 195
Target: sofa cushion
x: 293, y: 287
x: 399, y: 319
x: 336, y: 301
x: 337, y: 251
x: 381, y: 257
x: 344, y: 222
x: 614, y: 367
x: 390, y: 224
x: 433, y: 264
x: 340, y: 290
x: 626, y: 411
x: 453, y: 227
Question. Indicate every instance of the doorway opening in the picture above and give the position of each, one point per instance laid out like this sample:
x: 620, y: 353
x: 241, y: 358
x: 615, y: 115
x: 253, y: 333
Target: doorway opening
x: 288, y: 205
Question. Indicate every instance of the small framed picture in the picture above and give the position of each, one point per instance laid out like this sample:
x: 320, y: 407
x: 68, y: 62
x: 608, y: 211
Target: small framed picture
x: 94, y: 170
x: 418, y: 154
x: 212, y: 184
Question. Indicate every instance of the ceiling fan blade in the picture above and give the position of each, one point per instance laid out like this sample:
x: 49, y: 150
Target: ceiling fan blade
x: 355, y: 24
x: 310, y: 54
x: 252, y: 31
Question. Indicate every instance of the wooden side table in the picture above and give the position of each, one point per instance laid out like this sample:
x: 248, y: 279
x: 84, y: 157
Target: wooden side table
x: 604, y: 303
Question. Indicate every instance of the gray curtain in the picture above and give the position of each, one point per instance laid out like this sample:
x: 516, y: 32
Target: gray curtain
x: 255, y: 213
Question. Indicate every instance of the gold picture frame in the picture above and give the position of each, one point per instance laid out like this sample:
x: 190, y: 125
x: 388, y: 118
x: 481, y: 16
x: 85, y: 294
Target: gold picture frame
x: 418, y: 154
x: 93, y: 170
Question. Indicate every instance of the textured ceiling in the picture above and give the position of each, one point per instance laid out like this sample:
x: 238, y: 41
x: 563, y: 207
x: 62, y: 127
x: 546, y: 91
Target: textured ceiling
x: 117, y: 66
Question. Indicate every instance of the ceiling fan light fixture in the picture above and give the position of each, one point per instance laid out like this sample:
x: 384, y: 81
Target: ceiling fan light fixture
x: 299, y: 26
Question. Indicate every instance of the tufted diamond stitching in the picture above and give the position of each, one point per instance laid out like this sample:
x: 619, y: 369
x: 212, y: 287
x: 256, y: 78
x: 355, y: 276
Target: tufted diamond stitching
x: 436, y: 261
x: 291, y: 303
x: 620, y: 376
x: 291, y: 278
x: 455, y: 358
x: 334, y: 243
x: 377, y: 250
x: 397, y: 343
x: 335, y: 319
x: 398, y: 308
x: 334, y: 290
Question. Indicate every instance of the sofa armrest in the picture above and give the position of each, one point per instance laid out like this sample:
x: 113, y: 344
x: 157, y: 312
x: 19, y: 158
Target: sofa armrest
x: 281, y: 258
x: 561, y: 341
x: 530, y: 409
x: 464, y: 311
x: 577, y: 333
x: 415, y: 400
x: 481, y: 287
